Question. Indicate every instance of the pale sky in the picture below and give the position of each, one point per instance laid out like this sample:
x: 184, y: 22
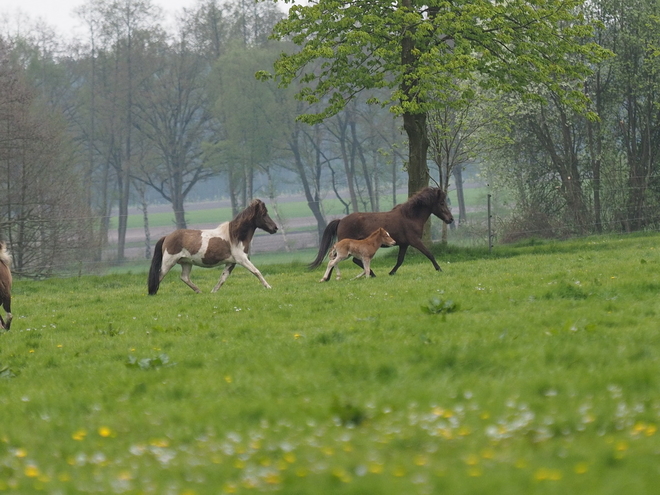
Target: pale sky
x: 59, y: 13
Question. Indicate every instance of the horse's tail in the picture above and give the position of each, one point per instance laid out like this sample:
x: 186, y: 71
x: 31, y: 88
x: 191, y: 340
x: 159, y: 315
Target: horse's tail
x: 329, y: 235
x: 154, y: 271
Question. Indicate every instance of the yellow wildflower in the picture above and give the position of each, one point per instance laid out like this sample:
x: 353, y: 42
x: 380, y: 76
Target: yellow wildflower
x: 79, y: 435
x: 273, y: 478
x: 475, y: 471
x: 547, y: 474
x: 104, y: 431
x: 487, y: 454
x: 31, y: 471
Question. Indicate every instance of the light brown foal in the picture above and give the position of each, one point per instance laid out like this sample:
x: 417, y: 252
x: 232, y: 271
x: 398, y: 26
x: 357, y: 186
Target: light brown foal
x: 363, y: 250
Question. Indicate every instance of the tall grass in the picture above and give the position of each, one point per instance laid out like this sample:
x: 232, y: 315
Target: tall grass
x: 534, y: 370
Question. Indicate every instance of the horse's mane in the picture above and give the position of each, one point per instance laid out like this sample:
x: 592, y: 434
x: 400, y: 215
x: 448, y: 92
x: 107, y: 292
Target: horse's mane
x: 426, y: 197
x: 244, y: 223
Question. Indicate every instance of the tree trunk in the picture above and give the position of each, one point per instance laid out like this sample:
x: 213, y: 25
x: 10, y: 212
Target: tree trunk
x: 349, y: 161
x: 365, y: 168
x: 179, y: 211
x: 124, y: 186
x: 145, y: 220
x: 312, y: 197
x: 413, y: 123
x: 233, y: 193
x: 418, y: 144
x: 458, y: 178
x: 595, y: 147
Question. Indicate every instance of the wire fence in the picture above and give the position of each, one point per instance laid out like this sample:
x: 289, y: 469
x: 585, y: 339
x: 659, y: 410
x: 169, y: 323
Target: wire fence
x: 490, y: 221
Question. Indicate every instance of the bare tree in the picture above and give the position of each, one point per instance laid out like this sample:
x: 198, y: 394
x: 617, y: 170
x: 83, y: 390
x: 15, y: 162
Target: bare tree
x: 42, y: 214
x: 173, y: 112
x: 127, y: 30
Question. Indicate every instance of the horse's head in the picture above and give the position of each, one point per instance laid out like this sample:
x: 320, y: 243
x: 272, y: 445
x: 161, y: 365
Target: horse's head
x: 385, y: 238
x: 440, y: 208
x: 262, y: 219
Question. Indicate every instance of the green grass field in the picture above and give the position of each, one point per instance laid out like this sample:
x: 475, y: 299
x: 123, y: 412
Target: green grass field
x: 533, y: 370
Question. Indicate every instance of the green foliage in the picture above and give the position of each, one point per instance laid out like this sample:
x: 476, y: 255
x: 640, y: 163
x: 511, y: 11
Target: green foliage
x: 6, y: 372
x: 148, y: 363
x: 416, y: 50
x: 437, y: 306
x: 343, y: 387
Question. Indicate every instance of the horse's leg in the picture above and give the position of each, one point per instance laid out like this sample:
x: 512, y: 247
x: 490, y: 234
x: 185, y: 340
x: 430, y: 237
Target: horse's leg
x: 331, y: 264
x: 166, y: 265
x: 8, y: 316
x: 399, y: 260
x: 225, y: 274
x: 185, y: 276
x: 359, y: 263
x: 244, y: 261
x: 366, y: 262
x: 419, y: 245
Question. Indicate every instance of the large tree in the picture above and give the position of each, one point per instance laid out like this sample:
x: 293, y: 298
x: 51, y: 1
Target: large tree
x: 417, y: 49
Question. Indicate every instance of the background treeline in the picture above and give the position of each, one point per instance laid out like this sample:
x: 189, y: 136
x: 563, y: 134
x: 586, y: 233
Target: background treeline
x: 138, y: 112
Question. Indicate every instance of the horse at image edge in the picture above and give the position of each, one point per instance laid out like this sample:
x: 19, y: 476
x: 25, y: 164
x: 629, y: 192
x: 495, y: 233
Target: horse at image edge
x: 5, y: 285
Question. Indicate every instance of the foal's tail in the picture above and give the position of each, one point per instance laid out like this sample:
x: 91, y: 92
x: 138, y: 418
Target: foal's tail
x: 154, y: 272
x: 328, y: 237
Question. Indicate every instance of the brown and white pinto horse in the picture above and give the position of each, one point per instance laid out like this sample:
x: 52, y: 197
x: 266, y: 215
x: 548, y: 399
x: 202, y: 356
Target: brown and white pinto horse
x: 363, y: 250
x: 405, y: 223
x: 5, y: 285
x: 227, y: 244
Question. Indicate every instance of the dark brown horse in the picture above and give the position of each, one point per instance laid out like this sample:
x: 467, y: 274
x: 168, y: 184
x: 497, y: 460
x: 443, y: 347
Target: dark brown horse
x: 405, y: 223
x: 5, y: 285
x: 227, y: 244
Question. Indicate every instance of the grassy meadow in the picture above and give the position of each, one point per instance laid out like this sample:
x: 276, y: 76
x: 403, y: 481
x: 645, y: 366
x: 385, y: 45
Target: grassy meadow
x: 531, y: 370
